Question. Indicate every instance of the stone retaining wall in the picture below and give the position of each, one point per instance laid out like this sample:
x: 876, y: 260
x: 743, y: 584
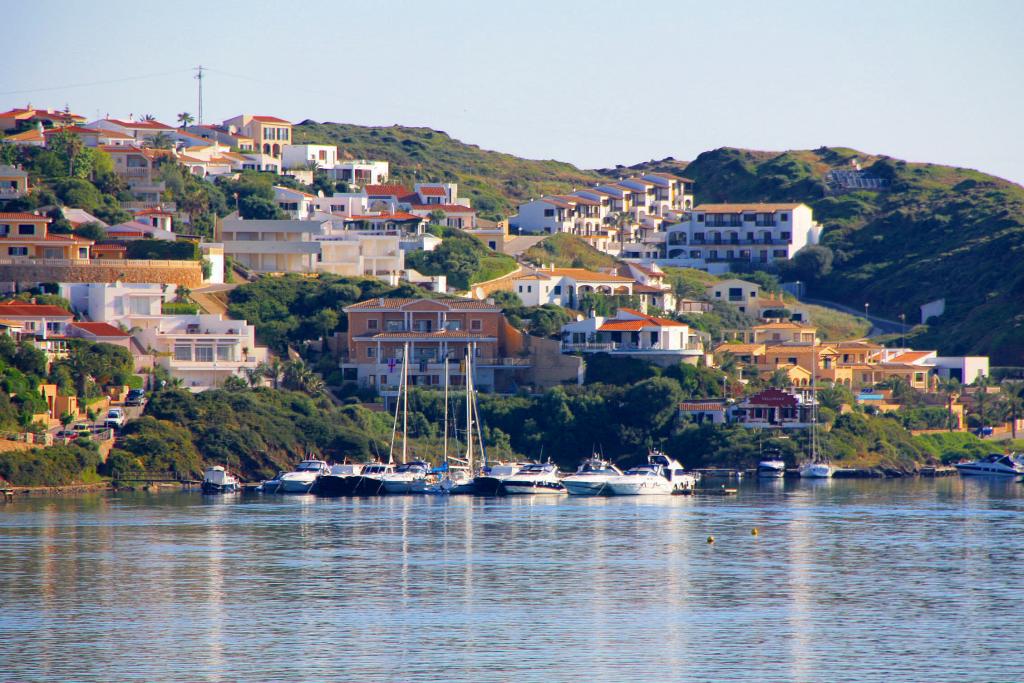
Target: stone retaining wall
x: 187, y: 273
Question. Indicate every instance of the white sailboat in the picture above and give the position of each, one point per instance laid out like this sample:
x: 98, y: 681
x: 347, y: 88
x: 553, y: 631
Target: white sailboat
x: 816, y: 467
x: 457, y: 477
x: 408, y: 477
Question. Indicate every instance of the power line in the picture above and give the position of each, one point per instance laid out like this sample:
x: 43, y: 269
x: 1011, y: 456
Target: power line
x: 92, y: 83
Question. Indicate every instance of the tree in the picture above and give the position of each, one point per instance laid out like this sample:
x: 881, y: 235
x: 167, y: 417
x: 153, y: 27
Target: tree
x: 813, y: 262
x: 253, y: 207
x: 161, y: 141
x: 779, y: 379
x: 437, y: 217
x: 91, y: 231
x: 950, y: 387
x: 254, y: 377
x: 327, y: 320
x: 149, y: 117
x: 981, y: 387
x: 185, y: 119
x: 272, y: 370
x: 68, y: 148
x: 1013, y: 402
x: 66, y: 419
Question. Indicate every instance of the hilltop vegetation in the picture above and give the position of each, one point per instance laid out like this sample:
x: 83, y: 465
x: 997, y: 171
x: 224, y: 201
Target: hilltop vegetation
x: 568, y: 251
x: 465, y: 260
x: 495, y: 181
x: 933, y: 232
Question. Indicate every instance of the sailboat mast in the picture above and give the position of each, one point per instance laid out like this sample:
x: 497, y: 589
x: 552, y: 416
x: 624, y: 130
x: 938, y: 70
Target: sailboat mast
x: 469, y: 408
x: 405, y: 393
x: 446, y: 409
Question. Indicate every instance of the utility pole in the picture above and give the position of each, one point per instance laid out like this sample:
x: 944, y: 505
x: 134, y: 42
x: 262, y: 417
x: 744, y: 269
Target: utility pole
x: 199, y: 78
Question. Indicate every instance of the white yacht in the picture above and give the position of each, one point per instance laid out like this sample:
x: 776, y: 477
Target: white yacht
x: 369, y: 482
x: 661, y: 475
x: 995, y: 465
x: 216, y: 479
x: 409, y: 477
x: 491, y: 480
x: 815, y: 470
x: 302, y: 478
x: 333, y: 482
x: 591, y: 478
x: 771, y: 466
x: 534, y: 478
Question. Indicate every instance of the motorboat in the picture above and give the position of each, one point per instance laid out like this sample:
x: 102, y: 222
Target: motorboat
x: 332, y: 482
x: 369, y: 482
x: 995, y: 465
x: 491, y: 480
x: 409, y: 477
x: 217, y: 479
x: 534, y: 478
x: 451, y: 480
x: 771, y: 466
x: 271, y: 485
x: 661, y: 475
x: 591, y: 478
x: 816, y: 470
x: 301, y: 479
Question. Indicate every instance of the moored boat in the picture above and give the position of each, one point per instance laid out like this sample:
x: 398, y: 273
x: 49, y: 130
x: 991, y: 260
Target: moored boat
x: 217, y: 479
x: 491, y: 480
x: 369, y: 482
x: 771, y: 465
x: 409, y: 477
x: 332, y: 483
x: 661, y: 475
x: 302, y: 478
x: 994, y: 465
x: 591, y: 478
x: 534, y: 478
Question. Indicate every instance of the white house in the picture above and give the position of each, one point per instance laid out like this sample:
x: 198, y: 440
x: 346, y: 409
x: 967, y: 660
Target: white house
x: 296, y: 203
x: 272, y: 246
x: 715, y: 235
x: 202, y: 350
x: 360, y: 172
x: 355, y: 254
x: 298, y: 156
x: 632, y: 333
x: 129, y: 304
x: 346, y: 204
x: 565, y: 286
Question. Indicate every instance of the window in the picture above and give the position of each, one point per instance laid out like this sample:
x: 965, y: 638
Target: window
x: 394, y: 325
x: 784, y: 235
x: 548, y: 213
x: 748, y: 218
x: 476, y: 325
x: 557, y: 289
x: 371, y: 324
x: 779, y: 252
x: 83, y: 252
x: 700, y: 218
x: 26, y: 229
x: 53, y: 327
x: 453, y: 325
x: 718, y: 295
x: 17, y: 251
x: 520, y: 289
x: 371, y: 352
x: 323, y: 155
x: 783, y: 217
x: 182, y: 352
x: 226, y: 352
x: 337, y: 207
x: 204, y: 354
x: 5, y: 229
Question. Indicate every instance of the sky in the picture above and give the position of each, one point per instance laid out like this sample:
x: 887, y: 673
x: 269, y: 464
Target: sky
x: 592, y: 83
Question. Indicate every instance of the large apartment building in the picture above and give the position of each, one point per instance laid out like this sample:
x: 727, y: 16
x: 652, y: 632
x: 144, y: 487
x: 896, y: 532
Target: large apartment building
x: 715, y: 235
x: 269, y: 134
x: 379, y: 331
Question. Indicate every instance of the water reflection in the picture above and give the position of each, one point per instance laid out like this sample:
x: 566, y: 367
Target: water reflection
x: 847, y: 580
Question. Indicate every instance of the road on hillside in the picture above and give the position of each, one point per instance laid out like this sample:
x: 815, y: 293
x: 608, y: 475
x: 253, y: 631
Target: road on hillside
x: 212, y: 304
x: 879, y: 325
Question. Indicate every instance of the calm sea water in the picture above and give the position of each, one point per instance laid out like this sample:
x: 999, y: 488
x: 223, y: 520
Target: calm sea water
x: 847, y: 581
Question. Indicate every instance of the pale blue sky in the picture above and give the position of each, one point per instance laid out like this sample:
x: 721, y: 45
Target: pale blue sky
x: 594, y: 83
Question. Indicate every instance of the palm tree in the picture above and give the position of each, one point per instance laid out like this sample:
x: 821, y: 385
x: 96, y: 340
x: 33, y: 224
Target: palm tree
x: 149, y: 117
x: 254, y: 376
x: 949, y: 386
x: 161, y: 141
x: 1013, y: 403
x: 185, y: 119
x: 982, y: 384
x: 272, y: 370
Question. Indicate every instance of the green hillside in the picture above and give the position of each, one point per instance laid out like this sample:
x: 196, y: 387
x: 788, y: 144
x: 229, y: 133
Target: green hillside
x: 568, y: 251
x: 495, y: 181
x: 935, y: 231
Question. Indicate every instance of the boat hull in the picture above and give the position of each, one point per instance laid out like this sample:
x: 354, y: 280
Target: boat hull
x: 489, y: 486
x: 295, y: 486
x: 975, y: 471
x: 816, y: 472
x: 521, y: 487
x: 771, y: 470
x: 364, y: 486
x: 210, y: 487
x: 400, y: 486
x: 640, y: 488
x: 592, y: 487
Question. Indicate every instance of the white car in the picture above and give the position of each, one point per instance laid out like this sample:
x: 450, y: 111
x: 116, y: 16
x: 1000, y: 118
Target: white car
x: 115, y: 418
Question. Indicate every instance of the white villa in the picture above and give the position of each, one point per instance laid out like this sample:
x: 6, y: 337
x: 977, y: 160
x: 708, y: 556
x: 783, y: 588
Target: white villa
x: 202, y: 350
x: 714, y: 235
x: 565, y: 286
x: 360, y: 172
x: 632, y: 333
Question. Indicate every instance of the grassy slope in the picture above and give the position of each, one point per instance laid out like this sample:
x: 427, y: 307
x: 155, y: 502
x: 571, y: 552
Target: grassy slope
x: 831, y: 324
x: 496, y: 182
x: 568, y: 251
x: 936, y: 232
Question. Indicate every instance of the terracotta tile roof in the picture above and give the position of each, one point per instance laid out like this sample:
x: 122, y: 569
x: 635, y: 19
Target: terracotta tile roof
x: 433, y: 192
x: 27, y: 136
x: 647, y: 289
x: 141, y: 125
x: 22, y: 216
x: 396, y: 216
x: 701, y: 405
x: 447, y: 208
x: 911, y: 356
x: 270, y: 119
x: 386, y: 190
x: 756, y: 349
x: 738, y: 208
x: 100, y: 329
x: 579, y: 200
x: 23, y: 310
x: 784, y: 326
x: 623, y: 326
x: 154, y: 212
x: 387, y: 304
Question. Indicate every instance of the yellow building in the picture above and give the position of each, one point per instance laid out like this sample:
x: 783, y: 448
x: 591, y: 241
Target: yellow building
x: 269, y: 134
x: 27, y: 235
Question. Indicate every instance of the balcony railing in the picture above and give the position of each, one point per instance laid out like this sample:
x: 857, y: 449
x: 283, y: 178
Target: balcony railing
x: 744, y: 242
x: 11, y: 193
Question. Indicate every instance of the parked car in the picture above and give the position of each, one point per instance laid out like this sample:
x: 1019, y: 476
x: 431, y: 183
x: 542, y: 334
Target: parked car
x: 115, y: 418
x: 68, y: 434
x: 135, y: 397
